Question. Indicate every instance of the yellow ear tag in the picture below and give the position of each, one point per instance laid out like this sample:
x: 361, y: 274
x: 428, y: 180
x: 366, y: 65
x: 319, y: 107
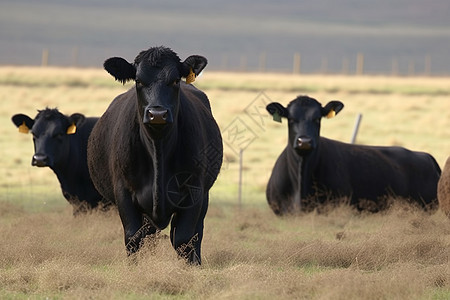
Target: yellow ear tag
x: 191, y: 77
x: 71, y: 129
x: 23, y: 128
x: 331, y: 114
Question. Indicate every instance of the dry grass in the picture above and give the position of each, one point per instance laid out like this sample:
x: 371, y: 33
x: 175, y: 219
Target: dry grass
x: 247, y: 252
x: 400, y: 254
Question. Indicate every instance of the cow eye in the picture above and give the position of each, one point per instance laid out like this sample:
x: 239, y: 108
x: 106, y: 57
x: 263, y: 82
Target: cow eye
x: 138, y: 83
x: 59, y: 135
x: 175, y: 82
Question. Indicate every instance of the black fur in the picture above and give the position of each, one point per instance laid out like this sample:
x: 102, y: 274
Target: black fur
x: 138, y: 164
x: 65, y: 154
x: 366, y: 175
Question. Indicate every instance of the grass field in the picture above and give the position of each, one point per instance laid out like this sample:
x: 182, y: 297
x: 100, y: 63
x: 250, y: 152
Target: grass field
x: 247, y: 251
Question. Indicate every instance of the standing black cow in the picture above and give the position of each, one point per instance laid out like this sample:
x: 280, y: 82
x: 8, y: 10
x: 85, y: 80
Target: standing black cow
x: 314, y: 169
x: 157, y: 150
x: 60, y: 143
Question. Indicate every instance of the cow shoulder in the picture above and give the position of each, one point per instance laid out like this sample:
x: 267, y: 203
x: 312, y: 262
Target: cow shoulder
x: 194, y: 95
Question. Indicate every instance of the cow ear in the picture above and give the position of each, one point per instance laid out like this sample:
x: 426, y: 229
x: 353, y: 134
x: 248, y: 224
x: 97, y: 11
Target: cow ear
x: 23, y: 122
x: 192, y: 66
x: 277, y: 111
x: 332, y: 108
x: 120, y: 69
x: 75, y: 120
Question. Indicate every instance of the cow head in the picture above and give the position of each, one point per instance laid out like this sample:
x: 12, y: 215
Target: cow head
x: 157, y: 73
x: 304, y: 115
x: 51, y: 130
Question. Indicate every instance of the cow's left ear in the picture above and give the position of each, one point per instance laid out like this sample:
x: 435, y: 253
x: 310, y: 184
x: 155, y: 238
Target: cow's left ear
x: 277, y: 111
x: 192, y: 66
x: 75, y: 120
x: 120, y: 69
x: 332, y: 108
x: 23, y: 122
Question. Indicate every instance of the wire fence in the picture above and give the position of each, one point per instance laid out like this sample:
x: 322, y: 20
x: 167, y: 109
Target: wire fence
x: 358, y: 64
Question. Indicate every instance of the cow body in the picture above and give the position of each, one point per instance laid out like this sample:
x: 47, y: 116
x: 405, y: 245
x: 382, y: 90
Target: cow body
x: 64, y: 151
x: 444, y: 189
x: 157, y: 159
x: 315, y: 170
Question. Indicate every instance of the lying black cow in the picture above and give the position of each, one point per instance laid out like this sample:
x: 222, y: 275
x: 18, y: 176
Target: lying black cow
x: 157, y: 150
x: 60, y: 143
x: 312, y: 169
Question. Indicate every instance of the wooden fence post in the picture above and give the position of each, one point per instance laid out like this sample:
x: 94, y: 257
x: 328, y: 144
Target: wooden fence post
x: 411, y: 68
x: 44, y: 60
x: 394, y: 71
x: 324, y: 65
x: 75, y: 57
x: 359, y: 64
x: 297, y: 62
x: 243, y: 63
x: 427, y: 67
x: 262, y: 62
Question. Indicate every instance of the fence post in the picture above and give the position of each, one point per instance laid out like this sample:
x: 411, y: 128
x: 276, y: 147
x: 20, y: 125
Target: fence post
x: 356, y: 128
x: 75, y: 57
x: 359, y: 64
x: 297, y: 61
x: 243, y: 64
x: 44, y: 61
x: 427, y: 68
x: 394, y: 71
x: 324, y: 65
x: 411, y: 68
x: 262, y: 62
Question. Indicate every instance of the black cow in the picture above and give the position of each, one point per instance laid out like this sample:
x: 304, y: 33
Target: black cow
x: 60, y: 143
x: 157, y: 150
x: 444, y: 189
x: 314, y: 170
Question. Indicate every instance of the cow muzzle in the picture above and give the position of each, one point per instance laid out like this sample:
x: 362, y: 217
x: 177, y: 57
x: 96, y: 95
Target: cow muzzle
x: 40, y: 160
x: 303, y: 143
x: 158, y: 115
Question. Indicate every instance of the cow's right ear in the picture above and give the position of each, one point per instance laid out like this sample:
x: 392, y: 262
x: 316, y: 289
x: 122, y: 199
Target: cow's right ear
x: 332, y: 108
x: 75, y: 120
x: 192, y: 66
x: 120, y: 69
x: 23, y: 122
x: 277, y: 111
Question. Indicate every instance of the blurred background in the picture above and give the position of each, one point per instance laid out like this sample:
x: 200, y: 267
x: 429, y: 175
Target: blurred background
x: 395, y: 37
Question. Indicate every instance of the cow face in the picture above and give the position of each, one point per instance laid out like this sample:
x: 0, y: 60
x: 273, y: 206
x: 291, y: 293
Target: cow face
x: 157, y: 73
x: 304, y: 115
x: 51, y: 131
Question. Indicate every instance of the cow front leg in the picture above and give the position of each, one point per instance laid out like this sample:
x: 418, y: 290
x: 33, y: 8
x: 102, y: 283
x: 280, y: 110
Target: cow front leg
x: 134, y: 224
x: 134, y: 242
x: 186, y: 234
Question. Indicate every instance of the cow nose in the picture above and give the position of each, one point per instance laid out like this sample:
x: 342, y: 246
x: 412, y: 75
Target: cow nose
x: 39, y: 160
x: 303, y: 143
x: 157, y: 115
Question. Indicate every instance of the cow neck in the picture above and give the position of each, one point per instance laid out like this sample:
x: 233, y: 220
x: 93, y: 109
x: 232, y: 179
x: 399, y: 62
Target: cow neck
x: 161, y: 153
x: 65, y: 171
x: 301, y: 170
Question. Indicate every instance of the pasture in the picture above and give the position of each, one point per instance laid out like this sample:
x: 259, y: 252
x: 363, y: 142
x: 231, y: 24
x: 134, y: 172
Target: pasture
x: 247, y: 251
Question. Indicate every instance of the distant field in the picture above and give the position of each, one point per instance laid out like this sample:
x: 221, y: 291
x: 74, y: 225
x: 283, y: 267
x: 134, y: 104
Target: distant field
x: 248, y: 252
x: 411, y: 112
